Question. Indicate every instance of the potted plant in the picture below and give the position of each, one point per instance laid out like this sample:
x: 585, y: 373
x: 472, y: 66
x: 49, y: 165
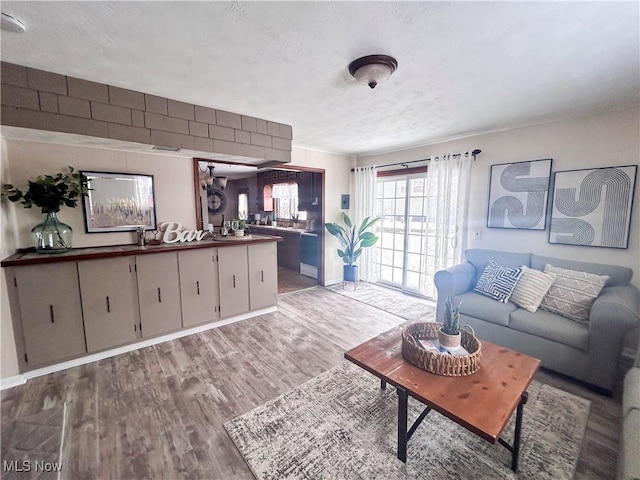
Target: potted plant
x: 449, y: 334
x: 295, y: 217
x: 50, y: 192
x: 352, y: 241
x: 239, y: 227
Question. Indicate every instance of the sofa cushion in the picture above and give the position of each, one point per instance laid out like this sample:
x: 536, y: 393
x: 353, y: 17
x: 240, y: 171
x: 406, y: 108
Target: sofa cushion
x: 531, y: 288
x: 479, y: 258
x: 498, y: 281
x: 572, y: 293
x: 617, y: 275
x: 478, y: 306
x: 631, y: 390
x: 551, y: 326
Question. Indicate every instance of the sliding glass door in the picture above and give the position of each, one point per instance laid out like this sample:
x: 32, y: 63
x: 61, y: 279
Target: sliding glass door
x: 402, y: 255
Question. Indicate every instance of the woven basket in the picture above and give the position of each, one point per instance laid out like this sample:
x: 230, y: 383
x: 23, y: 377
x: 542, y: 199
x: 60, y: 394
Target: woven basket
x: 440, y: 363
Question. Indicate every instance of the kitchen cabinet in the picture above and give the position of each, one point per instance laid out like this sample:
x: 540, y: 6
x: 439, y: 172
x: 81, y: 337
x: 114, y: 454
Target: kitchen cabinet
x: 263, y: 275
x: 289, y: 250
x: 199, y: 293
x: 233, y: 271
x: 309, y: 191
x: 158, y: 293
x: 49, y: 299
x: 109, y: 302
x: 58, y: 300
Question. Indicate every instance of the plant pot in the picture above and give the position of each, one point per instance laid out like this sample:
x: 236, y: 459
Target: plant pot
x: 449, y: 342
x: 51, y: 235
x: 350, y: 273
x: 239, y: 233
x: 296, y: 225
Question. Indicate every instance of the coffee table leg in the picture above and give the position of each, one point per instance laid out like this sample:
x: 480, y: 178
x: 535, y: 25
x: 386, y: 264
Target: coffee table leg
x: 402, y: 423
x: 383, y: 384
x: 518, y: 432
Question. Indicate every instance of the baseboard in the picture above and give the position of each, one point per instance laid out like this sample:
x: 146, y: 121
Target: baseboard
x: 328, y: 283
x: 11, y: 382
x: 17, y: 380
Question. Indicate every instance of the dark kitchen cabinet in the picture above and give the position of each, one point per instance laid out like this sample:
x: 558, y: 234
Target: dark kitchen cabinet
x: 309, y: 191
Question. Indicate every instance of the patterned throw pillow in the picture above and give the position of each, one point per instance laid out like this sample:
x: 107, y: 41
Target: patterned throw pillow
x: 572, y: 293
x: 497, y: 281
x: 531, y: 288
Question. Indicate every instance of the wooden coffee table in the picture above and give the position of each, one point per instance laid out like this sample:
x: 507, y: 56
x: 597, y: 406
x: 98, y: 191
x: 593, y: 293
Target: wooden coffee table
x: 483, y: 402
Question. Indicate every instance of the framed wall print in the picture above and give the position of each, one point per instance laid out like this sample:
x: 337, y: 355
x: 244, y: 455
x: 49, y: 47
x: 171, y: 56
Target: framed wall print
x: 593, y: 206
x: 119, y: 202
x: 518, y: 194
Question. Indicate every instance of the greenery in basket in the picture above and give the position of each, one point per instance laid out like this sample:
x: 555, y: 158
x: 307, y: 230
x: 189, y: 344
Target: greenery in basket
x: 351, y: 239
x: 49, y: 192
x: 294, y: 217
x: 451, y: 324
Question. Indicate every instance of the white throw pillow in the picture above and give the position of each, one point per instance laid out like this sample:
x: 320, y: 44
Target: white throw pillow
x: 572, y: 293
x: 531, y: 288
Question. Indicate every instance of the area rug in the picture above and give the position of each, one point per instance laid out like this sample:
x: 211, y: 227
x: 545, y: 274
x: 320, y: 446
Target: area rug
x: 342, y: 425
x: 397, y: 303
x: 32, y: 445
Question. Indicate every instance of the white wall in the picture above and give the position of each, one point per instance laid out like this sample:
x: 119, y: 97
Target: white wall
x: 596, y: 141
x: 337, y: 181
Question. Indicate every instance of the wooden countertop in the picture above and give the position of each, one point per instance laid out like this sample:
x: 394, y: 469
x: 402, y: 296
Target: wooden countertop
x: 92, y: 253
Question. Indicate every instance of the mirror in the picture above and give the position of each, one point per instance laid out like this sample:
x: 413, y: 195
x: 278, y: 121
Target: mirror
x: 119, y: 202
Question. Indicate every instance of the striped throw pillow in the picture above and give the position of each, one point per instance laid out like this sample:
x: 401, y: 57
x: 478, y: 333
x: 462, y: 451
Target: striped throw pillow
x: 531, y: 288
x: 497, y: 281
x: 572, y: 293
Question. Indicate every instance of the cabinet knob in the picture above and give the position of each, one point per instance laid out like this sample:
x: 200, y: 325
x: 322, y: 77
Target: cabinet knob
x: 262, y: 276
x: 108, y: 305
x: 53, y: 318
x: 159, y: 295
x: 234, y: 281
x: 198, y: 287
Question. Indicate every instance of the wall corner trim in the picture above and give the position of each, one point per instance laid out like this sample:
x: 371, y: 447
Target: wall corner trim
x: 13, y: 381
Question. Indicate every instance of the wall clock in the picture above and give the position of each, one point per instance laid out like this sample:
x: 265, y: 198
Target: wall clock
x: 216, y: 201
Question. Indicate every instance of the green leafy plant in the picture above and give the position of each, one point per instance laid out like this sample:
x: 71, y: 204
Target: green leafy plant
x: 451, y: 324
x: 353, y: 239
x: 295, y: 216
x: 49, y: 192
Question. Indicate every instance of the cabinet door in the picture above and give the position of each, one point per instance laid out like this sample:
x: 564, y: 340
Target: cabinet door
x: 233, y: 271
x: 199, y: 294
x: 159, y: 293
x: 49, y: 298
x: 108, y: 302
x: 263, y: 275
x: 305, y: 191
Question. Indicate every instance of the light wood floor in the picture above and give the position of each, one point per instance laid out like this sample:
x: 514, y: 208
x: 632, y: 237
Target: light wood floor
x: 158, y: 412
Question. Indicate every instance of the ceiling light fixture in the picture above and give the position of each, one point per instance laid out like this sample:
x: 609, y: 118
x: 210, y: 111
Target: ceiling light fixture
x: 373, y: 69
x: 12, y: 24
x: 208, y: 179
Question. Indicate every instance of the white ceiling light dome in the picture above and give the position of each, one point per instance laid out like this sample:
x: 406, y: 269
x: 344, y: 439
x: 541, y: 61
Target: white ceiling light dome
x: 12, y: 24
x: 373, y: 69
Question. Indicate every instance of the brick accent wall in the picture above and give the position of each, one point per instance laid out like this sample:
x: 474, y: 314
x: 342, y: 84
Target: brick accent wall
x: 48, y: 101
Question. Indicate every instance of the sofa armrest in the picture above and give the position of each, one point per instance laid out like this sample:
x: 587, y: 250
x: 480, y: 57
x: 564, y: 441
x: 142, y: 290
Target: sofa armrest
x: 616, y: 307
x: 613, y: 314
x: 451, y: 282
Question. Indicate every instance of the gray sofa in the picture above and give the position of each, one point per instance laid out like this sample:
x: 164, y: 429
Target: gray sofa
x: 629, y: 453
x: 586, y: 352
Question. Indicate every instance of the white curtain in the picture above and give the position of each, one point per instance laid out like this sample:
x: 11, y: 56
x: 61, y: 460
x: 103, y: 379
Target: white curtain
x: 364, y: 206
x: 447, y: 204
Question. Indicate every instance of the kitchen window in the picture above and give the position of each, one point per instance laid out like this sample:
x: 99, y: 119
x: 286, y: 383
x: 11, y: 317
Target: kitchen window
x: 285, y: 201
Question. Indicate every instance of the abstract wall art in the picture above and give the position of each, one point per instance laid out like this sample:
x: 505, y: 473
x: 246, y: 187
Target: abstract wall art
x: 518, y: 194
x: 593, y: 206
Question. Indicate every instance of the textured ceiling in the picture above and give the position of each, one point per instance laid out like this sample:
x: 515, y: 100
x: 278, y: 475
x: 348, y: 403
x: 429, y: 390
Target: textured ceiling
x: 464, y: 67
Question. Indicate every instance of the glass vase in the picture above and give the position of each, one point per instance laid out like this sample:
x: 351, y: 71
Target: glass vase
x: 51, y: 235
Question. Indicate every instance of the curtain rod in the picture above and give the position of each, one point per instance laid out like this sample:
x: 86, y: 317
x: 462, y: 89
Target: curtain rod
x: 404, y: 164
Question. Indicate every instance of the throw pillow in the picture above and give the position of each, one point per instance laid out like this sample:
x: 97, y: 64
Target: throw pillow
x: 531, y: 288
x: 498, y: 281
x: 572, y: 293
